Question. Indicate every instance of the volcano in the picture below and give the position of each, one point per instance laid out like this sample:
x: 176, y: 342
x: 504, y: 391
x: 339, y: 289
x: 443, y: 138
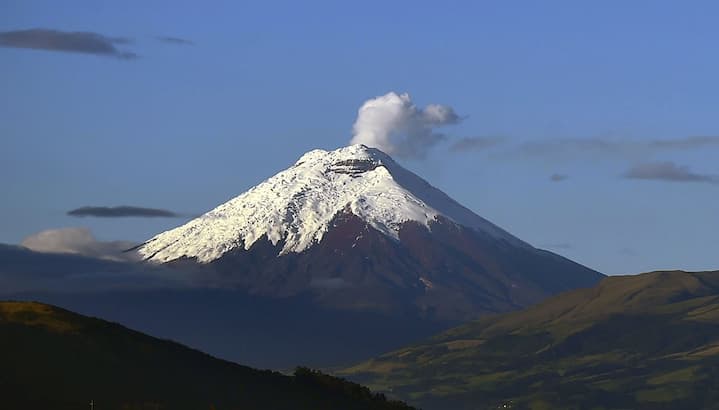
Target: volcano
x: 353, y: 229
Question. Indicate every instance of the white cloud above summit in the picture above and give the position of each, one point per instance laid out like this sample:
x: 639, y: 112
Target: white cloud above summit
x: 395, y: 125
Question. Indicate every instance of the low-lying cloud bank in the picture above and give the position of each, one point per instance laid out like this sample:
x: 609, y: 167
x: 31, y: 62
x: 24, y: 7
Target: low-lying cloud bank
x: 73, y: 260
x: 79, y: 241
x: 24, y: 270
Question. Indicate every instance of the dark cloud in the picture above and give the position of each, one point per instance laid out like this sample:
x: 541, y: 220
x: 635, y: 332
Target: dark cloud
x: 558, y: 177
x: 668, y: 171
x: 175, y: 40
x: 79, y: 241
x: 67, y: 41
x: 474, y: 144
x: 122, y: 211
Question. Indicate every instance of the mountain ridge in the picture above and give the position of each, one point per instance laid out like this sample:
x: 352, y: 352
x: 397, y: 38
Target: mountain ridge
x: 646, y: 341
x: 54, y: 358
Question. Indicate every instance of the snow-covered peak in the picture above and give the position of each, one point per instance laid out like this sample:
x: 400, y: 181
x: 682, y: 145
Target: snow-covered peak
x: 297, y: 205
x: 351, y: 152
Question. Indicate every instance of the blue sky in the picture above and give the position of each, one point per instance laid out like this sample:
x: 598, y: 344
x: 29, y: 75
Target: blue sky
x: 586, y: 91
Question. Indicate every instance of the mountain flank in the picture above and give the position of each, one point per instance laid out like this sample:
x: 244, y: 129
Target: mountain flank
x: 353, y: 229
x: 649, y: 341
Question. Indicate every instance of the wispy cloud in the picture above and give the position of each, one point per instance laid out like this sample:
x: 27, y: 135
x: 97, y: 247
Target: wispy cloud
x: 686, y: 142
x: 67, y: 41
x: 468, y: 144
x: 175, y: 40
x: 558, y: 177
x: 122, y: 211
x: 622, y: 147
x: 570, y: 146
x: 668, y: 171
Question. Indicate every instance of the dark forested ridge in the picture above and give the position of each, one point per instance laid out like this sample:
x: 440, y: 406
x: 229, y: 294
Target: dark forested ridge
x: 648, y: 341
x: 52, y: 358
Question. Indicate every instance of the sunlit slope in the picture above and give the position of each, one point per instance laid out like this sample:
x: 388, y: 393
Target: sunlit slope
x: 54, y: 359
x: 644, y: 341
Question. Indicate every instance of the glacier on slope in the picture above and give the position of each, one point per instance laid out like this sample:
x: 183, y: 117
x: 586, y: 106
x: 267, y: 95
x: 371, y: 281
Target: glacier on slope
x: 297, y: 205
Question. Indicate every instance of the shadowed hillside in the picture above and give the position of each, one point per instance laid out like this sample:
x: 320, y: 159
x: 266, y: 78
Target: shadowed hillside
x: 55, y: 359
x: 646, y: 341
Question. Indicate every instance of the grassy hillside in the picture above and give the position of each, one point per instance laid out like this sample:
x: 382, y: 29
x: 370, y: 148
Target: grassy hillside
x: 646, y: 341
x: 51, y: 358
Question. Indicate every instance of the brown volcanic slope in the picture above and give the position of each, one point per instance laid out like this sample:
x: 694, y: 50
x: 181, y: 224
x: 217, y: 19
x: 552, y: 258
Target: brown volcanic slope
x: 446, y: 273
x: 51, y: 358
x: 649, y: 341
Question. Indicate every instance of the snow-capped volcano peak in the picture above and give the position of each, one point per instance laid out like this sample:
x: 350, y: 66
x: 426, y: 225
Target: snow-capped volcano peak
x: 296, y: 207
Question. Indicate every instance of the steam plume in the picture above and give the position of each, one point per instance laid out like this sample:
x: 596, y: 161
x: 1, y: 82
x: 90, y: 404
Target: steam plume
x: 396, y: 126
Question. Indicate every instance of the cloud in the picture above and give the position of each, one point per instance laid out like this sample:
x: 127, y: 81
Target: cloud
x: 558, y: 177
x: 686, y: 142
x: 571, y: 147
x: 122, y: 211
x: 67, y: 41
x: 79, y: 241
x: 393, y: 124
x: 474, y: 144
x: 668, y: 171
x: 175, y: 40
